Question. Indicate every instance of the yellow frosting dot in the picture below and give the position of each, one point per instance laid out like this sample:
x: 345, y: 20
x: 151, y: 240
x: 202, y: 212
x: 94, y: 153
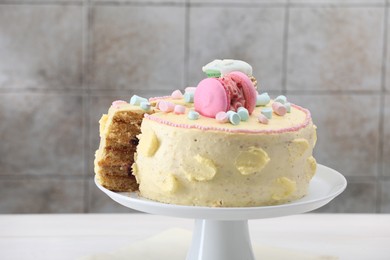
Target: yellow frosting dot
x: 315, y: 137
x: 287, y: 188
x: 251, y: 161
x: 311, y: 167
x: 170, y: 184
x: 200, y: 169
x: 148, y: 144
x: 298, y: 147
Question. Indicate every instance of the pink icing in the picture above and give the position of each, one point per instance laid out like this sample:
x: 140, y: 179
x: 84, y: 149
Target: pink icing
x: 233, y: 130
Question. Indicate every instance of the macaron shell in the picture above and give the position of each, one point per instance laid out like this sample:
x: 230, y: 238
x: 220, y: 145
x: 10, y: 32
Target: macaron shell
x: 248, y: 89
x: 210, y: 97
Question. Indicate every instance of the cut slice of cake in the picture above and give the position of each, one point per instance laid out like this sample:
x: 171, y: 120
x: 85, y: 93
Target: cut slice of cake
x: 118, y: 142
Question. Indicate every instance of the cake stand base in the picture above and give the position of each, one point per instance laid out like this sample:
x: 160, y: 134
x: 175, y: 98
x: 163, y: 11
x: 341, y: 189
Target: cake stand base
x: 220, y: 239
x: 222, y: 233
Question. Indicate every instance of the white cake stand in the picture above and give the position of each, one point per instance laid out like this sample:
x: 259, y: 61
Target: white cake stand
x: 222, y: 233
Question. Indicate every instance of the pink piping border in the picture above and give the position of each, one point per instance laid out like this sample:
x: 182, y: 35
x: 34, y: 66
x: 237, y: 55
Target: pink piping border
x: 207, y: 128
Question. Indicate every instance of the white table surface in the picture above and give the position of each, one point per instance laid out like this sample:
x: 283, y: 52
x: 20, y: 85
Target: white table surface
x: 347, y: 236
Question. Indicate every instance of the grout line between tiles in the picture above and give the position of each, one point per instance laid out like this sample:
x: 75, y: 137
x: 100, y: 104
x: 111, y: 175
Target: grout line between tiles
x: 37, y: 3
x: 87, y: 76
x: 381, y: 126
x: 285, y: 48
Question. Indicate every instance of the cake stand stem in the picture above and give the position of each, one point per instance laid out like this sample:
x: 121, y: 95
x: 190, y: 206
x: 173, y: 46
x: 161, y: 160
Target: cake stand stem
x: 220, y: 240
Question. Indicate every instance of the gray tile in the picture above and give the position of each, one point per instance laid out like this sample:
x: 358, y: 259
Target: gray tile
x: 385, y: 196
x: 327, y: 2
x: 333, y: 48
x: 252, y: 34
x: 137, y: 47
x: 386, y: 138
x: 99, y: 202
x: 388, y: 52
x: 41, y: 134
x: 359, y: 197
x: 238, y: 1
x: 41, y: 196
x: 347, y: 134
x: 170, y: 2
x: 41, y: 46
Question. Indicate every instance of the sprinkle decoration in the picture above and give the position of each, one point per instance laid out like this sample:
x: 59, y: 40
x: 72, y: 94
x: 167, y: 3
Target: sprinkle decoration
x: 166, y: 106
x: 288, y: 107
x: 222, y: 117
x: 193, y: 115
x: 234, y: 118
x: 281, y: 99
x: 177, y: 94
x: 243, y: 113
x: 263, y: 119
x: 279, y: 108
x: 262, y: 99
x: 267, y: 112
x: 145, y: 106
x: 189, y: 97
x: 179, y: 109
x: 136, y: 100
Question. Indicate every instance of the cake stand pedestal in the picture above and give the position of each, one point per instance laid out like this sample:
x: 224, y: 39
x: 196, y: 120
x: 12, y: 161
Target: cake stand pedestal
x: 222, y: 233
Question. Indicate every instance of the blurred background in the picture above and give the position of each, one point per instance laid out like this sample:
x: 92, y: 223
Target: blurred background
x: 62, y: 63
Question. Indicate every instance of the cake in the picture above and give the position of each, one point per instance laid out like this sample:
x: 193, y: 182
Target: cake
x: 221, y: 144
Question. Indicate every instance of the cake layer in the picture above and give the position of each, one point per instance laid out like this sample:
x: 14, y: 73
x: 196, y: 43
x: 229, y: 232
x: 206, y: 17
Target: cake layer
x: 206, y: 163
x: 118, y: 142
x: 118, y: 183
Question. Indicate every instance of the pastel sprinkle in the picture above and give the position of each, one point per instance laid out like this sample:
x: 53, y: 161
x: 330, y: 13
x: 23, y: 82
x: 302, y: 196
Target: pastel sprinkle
x: 263, y: 119
x: 177, y: 94
x: 222, y: 117
x: 281, y: 99
x: 136, y: 100
x: 117, y: 103
x: 288, y: 107
x: 279, y: 108
x: 267, y: 112
x: 179, y: 109
x: 190, y: 89
x: 262, y: 99
x: 145, y: 106
x: 189, y: 97
x: 234, y: 118
x: 243, y: 113
x: 166, y: 106
x: 193, y: 115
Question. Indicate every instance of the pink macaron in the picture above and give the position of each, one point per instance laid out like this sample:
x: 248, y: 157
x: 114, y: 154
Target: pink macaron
x: 214, y: 95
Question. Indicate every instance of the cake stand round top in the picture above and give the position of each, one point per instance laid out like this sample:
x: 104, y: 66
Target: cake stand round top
x: 325, y: 186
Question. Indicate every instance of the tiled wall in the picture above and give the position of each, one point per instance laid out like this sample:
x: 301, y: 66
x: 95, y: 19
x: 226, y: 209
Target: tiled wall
x: 62, y: 63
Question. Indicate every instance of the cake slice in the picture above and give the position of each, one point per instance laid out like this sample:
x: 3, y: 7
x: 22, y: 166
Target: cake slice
x: 118, y: 141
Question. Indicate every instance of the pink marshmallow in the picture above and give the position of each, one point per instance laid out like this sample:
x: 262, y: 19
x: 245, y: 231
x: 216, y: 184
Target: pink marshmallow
x: 177, y: 94
x: 117, y: 103
x: 166, y: 106
x: 279, y: 108
x: 179, y: 109
x: 222, y: 117
x: 263, y: 119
